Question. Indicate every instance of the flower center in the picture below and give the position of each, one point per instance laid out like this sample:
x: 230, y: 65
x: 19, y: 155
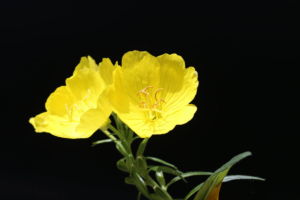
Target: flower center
x: 74, y: 112
x: 152, y: 106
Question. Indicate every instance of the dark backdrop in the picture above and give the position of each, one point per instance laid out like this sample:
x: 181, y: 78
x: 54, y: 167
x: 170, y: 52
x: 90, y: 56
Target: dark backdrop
x: 246, y: 55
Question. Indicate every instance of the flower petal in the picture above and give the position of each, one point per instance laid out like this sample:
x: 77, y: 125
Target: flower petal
x: 139, y: 70
x: 106, y: 69
x: 179, y: 84
x: 187, y: 114
x: 87, y: 63
x: 45, y: 122
x: 93, y: 119
x: 86, y: 83
x: 58, y: 101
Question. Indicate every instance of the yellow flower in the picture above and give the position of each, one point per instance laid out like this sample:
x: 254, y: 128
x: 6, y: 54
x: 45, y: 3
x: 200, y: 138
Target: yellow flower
x: 152, y: 94
x: 81, y: 107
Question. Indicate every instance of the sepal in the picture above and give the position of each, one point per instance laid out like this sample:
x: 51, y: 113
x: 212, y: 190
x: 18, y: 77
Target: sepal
x: 160, y: 178
x: 142, y: 147
x: 140, y: 184
x: 121, y: 165
x: 142, y: 164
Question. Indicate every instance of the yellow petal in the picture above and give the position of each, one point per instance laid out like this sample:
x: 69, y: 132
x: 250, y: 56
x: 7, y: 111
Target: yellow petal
x: 106, y: 69
x: 93, y: 119
x: 87, y: 63
x: 104, y: 126
x: 86, y: 84
x: 179, y: 84
x: 187, y: 114
x: 139, y: 70
x: 38, y: 122
x: 58, y: 102
x: 123, y: 105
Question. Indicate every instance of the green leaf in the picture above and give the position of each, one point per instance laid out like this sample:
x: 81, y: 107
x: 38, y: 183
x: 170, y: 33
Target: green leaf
x: 121, y: 165
x: 193, y: 191
x: 167, y: 170
x: 129, y: 163
x: 161, y: 161
x: 121, y: 149
x: 129, y: 132
x: 142, y: 147
x: 139, y: 196
x: 162, y: 193
x: 101, y: 142
x: 160, y: 178
x: 142, y: 164
x: 155, y: 197
x: 129, y: 180
x: 140, y: 184
x: 126, y: 146
x: 212, y: 185
x: 187, y: 174
x: 241, y: 177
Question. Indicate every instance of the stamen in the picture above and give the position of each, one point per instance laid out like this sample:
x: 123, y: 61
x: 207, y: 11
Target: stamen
x: 144, y: 91
x: 68, y: 112
x: 153, y: 109
x: 156, y: 92
x: 161, y: 100
x: 144, y: 103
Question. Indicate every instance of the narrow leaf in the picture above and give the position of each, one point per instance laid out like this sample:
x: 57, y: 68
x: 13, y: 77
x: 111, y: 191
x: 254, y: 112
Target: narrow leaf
x: 101, y: 142
x: 160, y: 178
x: 129, y: 180
x: 187, y: 174
x: 155, y: 197
x: 139, y: 196
x: 241, y: 177
x: 129, y: 163
x: 142, y: 147
x: 167, y: 170
x: 129, y: 133
x: 193, y: 191
x: 121, y: 165
x: 121, y: 149
x: 162, y: 193
x: 211, y: 187
x: 142, y: 164
x: 140, y: 184
x: 161, y: 161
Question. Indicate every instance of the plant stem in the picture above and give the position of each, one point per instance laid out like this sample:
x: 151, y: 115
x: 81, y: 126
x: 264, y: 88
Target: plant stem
x: 111, y: 127
x: 110, y: 136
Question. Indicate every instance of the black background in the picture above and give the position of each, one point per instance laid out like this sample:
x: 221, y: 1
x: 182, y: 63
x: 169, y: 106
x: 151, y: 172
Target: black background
x: 246, y: 55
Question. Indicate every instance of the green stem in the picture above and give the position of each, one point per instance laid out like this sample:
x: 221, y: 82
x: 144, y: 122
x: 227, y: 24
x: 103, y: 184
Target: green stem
x: 110, y: 136
x: 111, y: 127
x: 147, y: 177
x: 150, y: 181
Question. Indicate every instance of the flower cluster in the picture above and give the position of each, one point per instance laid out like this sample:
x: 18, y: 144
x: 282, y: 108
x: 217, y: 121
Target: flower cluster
x: 149, y: 94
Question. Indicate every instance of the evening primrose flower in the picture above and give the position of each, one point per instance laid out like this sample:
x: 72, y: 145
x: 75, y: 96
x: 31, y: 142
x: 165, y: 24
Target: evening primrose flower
x: 81, y: 107
x: 152, y: 94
